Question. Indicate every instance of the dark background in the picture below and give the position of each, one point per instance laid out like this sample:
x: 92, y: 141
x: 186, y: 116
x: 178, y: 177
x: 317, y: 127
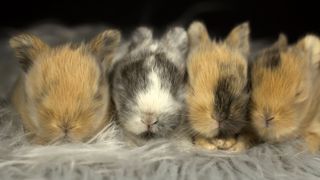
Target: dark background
x: 267, y: 18
x: 81, y: 19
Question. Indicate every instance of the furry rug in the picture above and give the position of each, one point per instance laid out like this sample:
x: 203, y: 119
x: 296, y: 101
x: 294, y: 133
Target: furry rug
x: 105, y: 157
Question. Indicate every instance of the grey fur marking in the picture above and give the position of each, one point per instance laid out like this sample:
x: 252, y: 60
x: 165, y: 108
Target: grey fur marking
x: 231, y: 109
x: 271, y: 58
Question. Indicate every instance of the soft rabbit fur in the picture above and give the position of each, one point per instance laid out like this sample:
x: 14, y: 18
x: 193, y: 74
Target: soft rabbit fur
x: 285, y: 92
x: 62, y: 94
x: 148, y: 85
x: 217, y: 95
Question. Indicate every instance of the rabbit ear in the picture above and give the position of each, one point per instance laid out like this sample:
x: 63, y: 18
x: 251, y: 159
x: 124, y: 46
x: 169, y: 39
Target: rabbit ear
x: 281, y: 43
x: 26, y: 48
x: 272, y: 54
x: 198, y: 34
x: 311, y: 45
x: 176, y: 39
x: 104, y: 45
x: 238, y: 38
x: 141, y: 37
x: 175, y: 42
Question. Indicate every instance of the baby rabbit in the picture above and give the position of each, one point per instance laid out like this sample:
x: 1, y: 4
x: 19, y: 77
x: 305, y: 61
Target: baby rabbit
x: 285, y: 92
x: 217, y: 95
x: 148, y: 85
x: 62, y: 94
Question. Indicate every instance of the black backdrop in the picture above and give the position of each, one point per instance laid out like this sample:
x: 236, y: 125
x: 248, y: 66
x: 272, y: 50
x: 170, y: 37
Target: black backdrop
x: 267, y: 17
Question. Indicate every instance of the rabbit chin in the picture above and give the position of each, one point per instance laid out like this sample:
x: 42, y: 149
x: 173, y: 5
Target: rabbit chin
x: 140, y: 130
x: 135, y: 126
x: 214, y: 133
x: 276, y: 134
x: 207, y: 132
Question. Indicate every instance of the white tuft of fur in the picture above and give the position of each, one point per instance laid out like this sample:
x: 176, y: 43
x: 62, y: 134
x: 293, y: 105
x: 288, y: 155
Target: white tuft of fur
x: 156, y: 99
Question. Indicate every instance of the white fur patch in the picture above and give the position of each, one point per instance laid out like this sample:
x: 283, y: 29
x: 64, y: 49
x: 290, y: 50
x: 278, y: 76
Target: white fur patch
x: 155, y: 100
x: 134, y: 125
x: 154, y: 47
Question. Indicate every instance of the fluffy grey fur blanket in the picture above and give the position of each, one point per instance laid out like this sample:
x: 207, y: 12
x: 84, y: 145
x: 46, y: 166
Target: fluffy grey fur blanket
x: 107, y: 158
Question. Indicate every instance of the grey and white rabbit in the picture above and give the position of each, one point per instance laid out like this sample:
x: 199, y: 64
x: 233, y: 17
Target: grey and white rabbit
x: 148, y: 84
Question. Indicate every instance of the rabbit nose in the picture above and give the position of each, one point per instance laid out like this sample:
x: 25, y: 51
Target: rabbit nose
x: 216, y: 122
x: 149, y: 119
x: 66, y: 130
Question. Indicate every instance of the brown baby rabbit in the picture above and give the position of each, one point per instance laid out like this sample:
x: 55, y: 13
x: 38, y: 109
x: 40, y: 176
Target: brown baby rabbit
x: 285, y: 92
x: 62, y: 94
x: 218, y: 94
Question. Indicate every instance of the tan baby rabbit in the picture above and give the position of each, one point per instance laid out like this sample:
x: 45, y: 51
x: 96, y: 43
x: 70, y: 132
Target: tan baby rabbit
x: 218, y: 94
x: 285, y: 92
x: 62, y: 94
